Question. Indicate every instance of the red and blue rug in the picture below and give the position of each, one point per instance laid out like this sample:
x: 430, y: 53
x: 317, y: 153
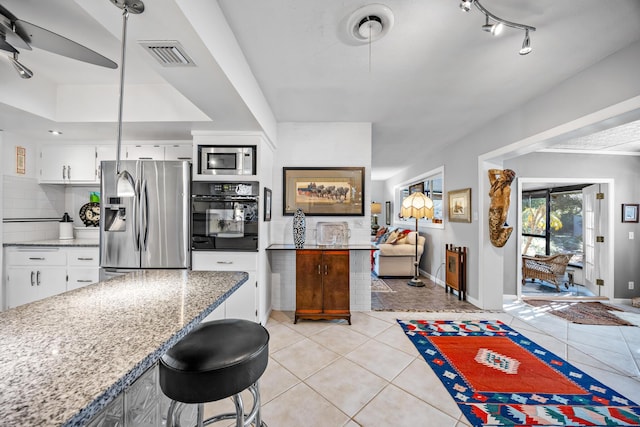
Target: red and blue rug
x: 498, y: 377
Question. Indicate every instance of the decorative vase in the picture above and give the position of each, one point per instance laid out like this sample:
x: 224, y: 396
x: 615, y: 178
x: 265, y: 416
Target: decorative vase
x: 299, y: 228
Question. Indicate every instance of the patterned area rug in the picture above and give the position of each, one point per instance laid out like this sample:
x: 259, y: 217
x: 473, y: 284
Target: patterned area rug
x: 586, y: 313
x: 498, y: 377
x: 378, y: 285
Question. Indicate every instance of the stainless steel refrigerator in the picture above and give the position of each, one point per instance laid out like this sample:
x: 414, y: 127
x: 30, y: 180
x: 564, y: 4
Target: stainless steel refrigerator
x: 150, y: 229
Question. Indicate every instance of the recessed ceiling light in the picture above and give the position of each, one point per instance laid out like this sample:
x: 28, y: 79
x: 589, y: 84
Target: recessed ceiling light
x: 55, y: 132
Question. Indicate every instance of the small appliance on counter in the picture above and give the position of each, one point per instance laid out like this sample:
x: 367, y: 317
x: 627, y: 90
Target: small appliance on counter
x: 66, y: 227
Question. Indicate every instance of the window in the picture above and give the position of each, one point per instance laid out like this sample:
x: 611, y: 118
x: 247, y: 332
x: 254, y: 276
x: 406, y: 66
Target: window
x: 552, y: 222
x: 431, y: 184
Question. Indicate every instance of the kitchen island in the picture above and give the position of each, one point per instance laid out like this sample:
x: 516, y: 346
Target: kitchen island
x: 66, y: 357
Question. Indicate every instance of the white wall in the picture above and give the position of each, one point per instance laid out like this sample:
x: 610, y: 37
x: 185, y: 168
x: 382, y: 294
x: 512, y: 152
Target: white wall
x: 607, y: 83
x: 320, y: 145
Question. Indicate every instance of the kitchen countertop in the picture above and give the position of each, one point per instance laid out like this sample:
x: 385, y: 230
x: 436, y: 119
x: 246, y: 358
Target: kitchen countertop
x: 57, y: 243
x: 289, y: 247
x: 66, y: 357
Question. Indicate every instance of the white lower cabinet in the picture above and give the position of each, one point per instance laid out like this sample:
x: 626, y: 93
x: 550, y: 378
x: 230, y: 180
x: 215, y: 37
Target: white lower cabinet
x: 243, y: 303
x: 36, y: 273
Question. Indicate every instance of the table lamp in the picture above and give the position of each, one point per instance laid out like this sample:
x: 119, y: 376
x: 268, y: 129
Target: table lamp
x: 418, y: 206
x: 376, y: 208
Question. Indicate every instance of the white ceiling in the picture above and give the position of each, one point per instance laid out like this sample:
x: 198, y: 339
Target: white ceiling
x: 433, y: 79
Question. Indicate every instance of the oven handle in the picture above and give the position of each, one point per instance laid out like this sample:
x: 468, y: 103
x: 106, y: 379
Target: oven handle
x: 202, y: 198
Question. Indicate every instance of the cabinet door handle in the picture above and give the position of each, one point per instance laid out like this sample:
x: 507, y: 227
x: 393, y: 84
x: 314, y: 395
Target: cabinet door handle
x: 38, y: 278
x: 85, y: 259
x: 34, y: 258
x: 64, y: 172
x: 32, y: 282
x: 325, y: 269
x: 84, y: 281
x: 69, y: 172
x: 319, y: 273
x: 224, y: 262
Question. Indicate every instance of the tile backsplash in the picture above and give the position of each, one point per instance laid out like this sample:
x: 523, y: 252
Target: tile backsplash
x: 40, y: 206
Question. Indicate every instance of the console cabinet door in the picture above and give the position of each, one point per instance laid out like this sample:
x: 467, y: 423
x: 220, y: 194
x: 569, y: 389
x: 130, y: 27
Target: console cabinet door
x: 308, y: 282
x: 335, y: 282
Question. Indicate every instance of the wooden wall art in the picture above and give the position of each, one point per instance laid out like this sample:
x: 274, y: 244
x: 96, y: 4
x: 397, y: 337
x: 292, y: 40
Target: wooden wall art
x: 500, y: 194
x: 456, y: 270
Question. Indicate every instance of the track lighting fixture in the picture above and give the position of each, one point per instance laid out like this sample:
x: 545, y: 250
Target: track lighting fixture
x: 496, y: 28
x: 526, y: 44
x: 465, y: 5
x: 24, y: 72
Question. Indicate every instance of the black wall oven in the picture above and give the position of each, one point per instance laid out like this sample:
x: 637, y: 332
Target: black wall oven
x: 224, y: 216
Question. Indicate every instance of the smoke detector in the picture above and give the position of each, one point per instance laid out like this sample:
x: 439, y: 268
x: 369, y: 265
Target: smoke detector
x: 169, y: 53
x: 370, y: 23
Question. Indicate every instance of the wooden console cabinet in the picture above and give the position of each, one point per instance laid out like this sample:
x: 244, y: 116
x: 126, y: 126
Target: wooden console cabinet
x: 322, y: 284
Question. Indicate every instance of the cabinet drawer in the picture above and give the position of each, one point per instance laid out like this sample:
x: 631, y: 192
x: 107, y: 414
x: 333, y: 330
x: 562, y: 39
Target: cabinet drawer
x: 79, y: 277
x: 224, y: 261
x: 39, y: 257
x: 88, y: 257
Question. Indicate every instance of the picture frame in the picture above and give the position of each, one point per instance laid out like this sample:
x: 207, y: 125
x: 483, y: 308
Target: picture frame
x: 21, y: 154
x: 323, y: 191
x: 387, y: 212
x: 267, y: 204
x: 630, y: 212
x: 460, y: 205
x: 416, y: 188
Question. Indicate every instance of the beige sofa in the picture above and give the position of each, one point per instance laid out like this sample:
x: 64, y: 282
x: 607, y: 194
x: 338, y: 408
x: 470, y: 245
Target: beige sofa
x: 397, y: 259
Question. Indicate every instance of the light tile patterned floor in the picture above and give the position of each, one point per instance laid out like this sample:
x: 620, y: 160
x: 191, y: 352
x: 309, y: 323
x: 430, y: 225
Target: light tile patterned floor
x: 327, y: 374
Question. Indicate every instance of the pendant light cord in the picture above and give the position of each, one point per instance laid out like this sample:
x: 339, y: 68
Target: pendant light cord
x: 125, y: 17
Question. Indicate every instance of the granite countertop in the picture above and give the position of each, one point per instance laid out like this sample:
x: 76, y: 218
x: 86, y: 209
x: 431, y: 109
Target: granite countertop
x: 66, y: 357
x: 57, y: 243
x: 350, y: 247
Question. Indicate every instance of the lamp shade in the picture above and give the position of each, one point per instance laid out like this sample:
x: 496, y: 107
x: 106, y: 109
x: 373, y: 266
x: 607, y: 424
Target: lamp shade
x: 418, y: 206
x: 376, y: 208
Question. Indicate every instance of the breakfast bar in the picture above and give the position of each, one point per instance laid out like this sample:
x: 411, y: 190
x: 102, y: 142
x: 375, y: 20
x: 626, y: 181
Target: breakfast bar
x: 65, y: 358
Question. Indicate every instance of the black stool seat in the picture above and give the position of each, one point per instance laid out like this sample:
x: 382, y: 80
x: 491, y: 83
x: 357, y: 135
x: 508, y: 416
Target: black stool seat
x: 216, y: 360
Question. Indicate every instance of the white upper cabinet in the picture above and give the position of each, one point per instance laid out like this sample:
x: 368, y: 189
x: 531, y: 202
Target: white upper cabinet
x: 143, y: 152
x: 70, y: 164
x: 178, y: 152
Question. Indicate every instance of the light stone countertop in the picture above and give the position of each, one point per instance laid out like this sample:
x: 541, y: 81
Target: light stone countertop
x: 57, y: 243
x: 64, y: 358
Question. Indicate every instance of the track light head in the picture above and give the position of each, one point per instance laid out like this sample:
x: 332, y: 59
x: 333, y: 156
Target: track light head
x: 494, y: 29
x: 23, y: 71
x: 465, y: 5
x: 526, y: 44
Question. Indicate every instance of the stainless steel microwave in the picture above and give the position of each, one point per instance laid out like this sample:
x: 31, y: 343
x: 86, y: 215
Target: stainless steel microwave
x: 226, y: 160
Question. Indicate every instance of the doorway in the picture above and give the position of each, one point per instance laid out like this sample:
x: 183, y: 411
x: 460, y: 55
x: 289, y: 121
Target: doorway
x: 589, y: 275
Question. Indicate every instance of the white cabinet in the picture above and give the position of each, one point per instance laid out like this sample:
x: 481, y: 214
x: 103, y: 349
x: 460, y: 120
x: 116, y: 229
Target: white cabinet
x: 243, y: 303
x: 67, y: 164
x: 37, y: 273
x: 83, y: 267
x: 104, y: 152
x: 34, y: 274
x: 178, y: 152
x: 143, y: 152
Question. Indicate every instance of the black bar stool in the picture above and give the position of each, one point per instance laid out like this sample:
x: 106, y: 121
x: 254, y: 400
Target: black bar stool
x: 216, y: 360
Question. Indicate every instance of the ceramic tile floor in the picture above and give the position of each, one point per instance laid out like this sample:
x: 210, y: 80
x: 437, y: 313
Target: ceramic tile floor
x: 328, y: 374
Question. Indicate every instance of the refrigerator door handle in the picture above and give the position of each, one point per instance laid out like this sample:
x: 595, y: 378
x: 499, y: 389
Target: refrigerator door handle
x: 136, y: 220
x: 144, y: 205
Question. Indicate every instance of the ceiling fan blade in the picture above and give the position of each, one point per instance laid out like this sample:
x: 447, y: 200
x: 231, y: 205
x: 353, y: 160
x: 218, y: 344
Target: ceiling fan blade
x: 52, y: 42
x: 6, y: 46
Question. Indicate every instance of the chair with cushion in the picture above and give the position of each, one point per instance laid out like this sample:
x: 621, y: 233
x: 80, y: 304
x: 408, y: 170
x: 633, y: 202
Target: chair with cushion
x: 548, y: 268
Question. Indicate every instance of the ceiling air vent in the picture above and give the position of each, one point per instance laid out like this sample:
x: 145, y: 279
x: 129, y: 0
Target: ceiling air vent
x: 168, y: 53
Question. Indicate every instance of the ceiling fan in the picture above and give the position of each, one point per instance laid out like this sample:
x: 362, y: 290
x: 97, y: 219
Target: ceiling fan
x: 18, y: 34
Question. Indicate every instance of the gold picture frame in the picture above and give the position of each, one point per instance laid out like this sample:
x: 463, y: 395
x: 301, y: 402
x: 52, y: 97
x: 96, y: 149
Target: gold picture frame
x: 323, y: 191
x: 21, y: 158
x: 460, y: 205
